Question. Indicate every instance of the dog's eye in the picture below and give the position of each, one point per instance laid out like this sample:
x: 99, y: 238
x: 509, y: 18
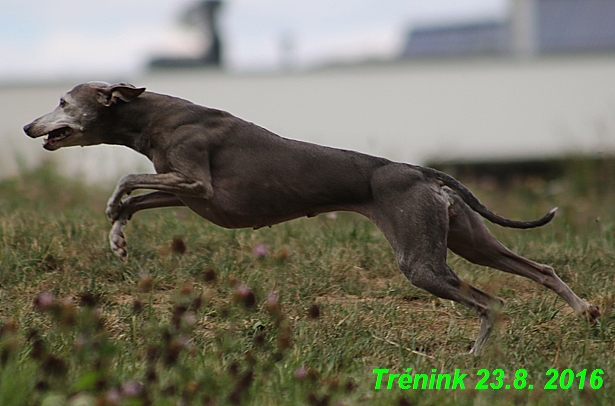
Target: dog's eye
x: 62, y: 102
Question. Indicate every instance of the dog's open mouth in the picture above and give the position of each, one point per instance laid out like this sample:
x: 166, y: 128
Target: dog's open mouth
x: 57, y: 135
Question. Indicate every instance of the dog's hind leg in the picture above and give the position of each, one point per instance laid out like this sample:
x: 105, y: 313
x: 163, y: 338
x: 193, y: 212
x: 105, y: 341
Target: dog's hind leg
x: 435, y: 276
x: 129, y: 207
x: 415, y: 221
x: 469, y: 238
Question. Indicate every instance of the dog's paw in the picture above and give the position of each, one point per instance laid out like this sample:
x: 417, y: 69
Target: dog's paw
x: 589, y: 313
x: 592, y: 313
x: 117, y: 241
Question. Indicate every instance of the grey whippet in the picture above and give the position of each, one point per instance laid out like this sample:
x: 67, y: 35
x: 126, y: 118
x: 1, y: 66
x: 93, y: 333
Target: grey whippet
x: 237, y: 174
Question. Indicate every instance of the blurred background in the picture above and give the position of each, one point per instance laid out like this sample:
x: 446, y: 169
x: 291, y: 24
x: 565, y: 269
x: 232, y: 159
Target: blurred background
x: 498, y: 87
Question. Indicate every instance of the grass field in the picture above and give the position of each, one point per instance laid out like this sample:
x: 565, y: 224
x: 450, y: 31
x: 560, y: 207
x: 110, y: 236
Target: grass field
x: 297, y: 314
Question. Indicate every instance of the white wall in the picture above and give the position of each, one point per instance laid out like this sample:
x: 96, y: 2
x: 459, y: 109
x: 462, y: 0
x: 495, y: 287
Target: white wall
x: 467, y: 109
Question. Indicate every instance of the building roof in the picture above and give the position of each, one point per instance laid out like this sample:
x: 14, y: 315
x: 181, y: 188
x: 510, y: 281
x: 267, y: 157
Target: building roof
x: 576, y: 25
x: 466, y: 39
x: 561, y: 26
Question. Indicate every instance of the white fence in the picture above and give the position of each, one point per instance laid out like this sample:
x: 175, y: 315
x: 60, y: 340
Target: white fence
x: 484, y: 109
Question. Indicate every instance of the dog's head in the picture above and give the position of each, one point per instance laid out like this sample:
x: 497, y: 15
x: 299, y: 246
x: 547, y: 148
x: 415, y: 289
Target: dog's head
x: 75, y: 120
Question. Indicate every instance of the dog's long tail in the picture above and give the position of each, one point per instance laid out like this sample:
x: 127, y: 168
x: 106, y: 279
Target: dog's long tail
x: 472, y: 201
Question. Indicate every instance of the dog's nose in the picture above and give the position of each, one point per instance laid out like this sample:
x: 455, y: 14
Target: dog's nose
x: 26, y: 128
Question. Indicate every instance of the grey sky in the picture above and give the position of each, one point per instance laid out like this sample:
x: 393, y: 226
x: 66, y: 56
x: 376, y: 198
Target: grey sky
x: 41, y: 39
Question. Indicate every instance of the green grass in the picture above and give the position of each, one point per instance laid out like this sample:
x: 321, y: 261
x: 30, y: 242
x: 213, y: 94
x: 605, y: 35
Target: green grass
x: 194, y: 317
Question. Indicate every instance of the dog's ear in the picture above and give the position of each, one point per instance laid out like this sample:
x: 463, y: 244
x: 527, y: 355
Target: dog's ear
x: 122, y: 91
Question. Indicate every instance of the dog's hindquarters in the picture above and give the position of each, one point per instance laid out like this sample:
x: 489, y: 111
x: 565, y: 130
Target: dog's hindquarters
x: 421, y: 218
x: 413, y: 216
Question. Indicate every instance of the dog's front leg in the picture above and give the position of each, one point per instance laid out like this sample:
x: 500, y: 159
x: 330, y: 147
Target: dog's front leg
x: 171, y: 182
x: 130, y: 206
x: 117, y: 241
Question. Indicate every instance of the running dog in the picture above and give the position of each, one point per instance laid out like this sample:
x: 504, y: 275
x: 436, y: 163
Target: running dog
x: 237, y: 174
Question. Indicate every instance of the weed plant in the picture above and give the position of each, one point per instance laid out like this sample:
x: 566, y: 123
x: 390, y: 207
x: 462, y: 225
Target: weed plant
x: 297, y: 314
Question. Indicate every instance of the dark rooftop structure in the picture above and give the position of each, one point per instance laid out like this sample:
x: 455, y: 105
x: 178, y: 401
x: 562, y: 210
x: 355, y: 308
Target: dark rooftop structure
x: 534, y: 26
x: 460, y: 40
x: 204, y: 16
x: 576, y: 25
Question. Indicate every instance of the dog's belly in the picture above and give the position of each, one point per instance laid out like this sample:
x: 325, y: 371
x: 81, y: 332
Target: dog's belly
x: 251, y: 213
x: 241, y: 210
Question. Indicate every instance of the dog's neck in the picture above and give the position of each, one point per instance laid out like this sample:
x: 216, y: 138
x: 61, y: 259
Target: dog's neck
x: 131, y: 122
x: 144, y: 123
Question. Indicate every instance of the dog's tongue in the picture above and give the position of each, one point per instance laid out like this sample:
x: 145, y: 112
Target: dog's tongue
x: 47, y: 143
x: 54, y: 136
